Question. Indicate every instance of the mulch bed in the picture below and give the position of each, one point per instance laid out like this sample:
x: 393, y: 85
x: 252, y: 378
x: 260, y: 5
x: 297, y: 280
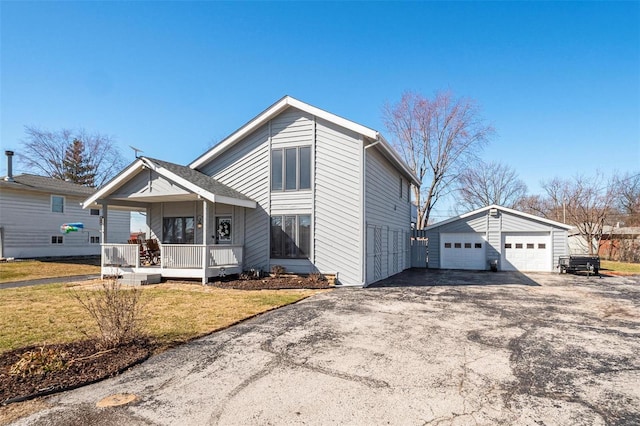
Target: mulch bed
x: 84, y: 363
x: 272, y: 283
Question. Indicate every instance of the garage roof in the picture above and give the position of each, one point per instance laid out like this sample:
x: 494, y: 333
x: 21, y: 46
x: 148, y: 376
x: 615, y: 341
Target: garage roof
x: 500, y: 208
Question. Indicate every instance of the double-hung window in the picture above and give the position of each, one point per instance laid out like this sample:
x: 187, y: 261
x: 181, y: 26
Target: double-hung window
x: 291, y: 236
x: 291, y: 169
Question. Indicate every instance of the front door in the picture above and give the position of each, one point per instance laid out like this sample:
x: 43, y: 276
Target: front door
x: 223, y: 230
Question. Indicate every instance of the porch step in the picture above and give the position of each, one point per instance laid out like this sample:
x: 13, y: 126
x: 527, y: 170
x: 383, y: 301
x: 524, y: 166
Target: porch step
x: 140, y: 279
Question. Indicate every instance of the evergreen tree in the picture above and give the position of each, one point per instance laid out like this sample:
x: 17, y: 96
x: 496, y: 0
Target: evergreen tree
x: 76, y: 167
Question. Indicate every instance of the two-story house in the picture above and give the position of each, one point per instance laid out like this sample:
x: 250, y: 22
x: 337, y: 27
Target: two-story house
x: 296, y: 186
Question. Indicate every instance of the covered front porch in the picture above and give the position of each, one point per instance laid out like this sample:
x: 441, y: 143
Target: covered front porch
x: 174, y: 260
x: 194, y: 224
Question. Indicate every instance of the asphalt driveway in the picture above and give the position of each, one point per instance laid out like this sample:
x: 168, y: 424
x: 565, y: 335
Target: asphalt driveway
x: 476, y: 349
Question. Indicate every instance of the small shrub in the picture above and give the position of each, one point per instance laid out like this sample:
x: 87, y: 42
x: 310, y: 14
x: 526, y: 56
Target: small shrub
x: 37, y: 362
x: 251, y: 274
x: 277, y: 270
x: 117, y: 311
x: 316, y: 277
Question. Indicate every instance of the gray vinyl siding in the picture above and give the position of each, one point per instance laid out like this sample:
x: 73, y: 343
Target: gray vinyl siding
x: 338, y: 214
x: 560, y: 243
x: 387, y: 207
x: 494, y: 237
x: 511, y: 223
x: 245, y: 168
x: 28, y: 225
x: 148, y: 183
x: 495, y: 227
x: 292, y: 128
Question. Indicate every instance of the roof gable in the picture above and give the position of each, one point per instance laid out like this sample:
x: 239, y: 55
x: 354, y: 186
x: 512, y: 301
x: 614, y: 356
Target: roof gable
x: 185, y: 177
x: 288, y: 102
x: 500, y: 208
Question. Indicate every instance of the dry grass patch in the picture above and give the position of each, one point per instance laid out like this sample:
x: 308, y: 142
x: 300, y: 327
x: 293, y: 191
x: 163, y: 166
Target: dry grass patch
x: 48, y: 314
x: 35, y: 269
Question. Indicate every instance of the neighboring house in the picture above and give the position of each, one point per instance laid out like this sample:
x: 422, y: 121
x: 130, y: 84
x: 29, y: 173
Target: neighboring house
x: 296, y: 186
x: 620, y: 243
x: 517, y: 241
x: 578, y: 243
x: 32, y: 209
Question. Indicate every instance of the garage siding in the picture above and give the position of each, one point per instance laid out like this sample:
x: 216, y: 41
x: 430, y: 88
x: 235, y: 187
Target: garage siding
x: 560, y: 244
x: 496, y: 226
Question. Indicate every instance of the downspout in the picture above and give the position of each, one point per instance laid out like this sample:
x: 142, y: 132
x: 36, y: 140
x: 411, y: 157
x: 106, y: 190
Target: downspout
x: 363, y: 233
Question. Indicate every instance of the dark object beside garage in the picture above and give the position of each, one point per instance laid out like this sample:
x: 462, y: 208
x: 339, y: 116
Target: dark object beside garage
x: 575, y: 263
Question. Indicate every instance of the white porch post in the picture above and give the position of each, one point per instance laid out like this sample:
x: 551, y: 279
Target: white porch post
x: 205, y: 254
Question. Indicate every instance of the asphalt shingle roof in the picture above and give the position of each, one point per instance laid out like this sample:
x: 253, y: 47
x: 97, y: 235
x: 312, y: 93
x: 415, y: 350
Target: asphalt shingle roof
x: 29, y: 182
x: 205, y: 182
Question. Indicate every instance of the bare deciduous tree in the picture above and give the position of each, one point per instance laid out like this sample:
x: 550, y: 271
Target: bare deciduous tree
x: 437, y: 138
x: 627, y: 190
x: 584, y: 202
x: 485, y: 184
x: 43, y: 152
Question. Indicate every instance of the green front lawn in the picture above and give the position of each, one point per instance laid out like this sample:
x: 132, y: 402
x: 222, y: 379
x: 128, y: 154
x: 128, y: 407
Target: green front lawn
x: 175, y: 313
x: 620, y: 267
x: 36, y: 269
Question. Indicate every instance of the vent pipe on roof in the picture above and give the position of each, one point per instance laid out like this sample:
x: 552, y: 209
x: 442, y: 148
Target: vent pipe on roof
x: 9, y: 177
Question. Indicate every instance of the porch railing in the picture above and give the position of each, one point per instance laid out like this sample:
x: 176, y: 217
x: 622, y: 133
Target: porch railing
x: 181, y: 256
x: 224, y: 254
x: 120, y: 254
x: 175, y: 256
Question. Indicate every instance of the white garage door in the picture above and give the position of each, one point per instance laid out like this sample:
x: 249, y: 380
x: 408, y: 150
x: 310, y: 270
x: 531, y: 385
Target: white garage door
x: 526, y: 252
x: 462, y: 251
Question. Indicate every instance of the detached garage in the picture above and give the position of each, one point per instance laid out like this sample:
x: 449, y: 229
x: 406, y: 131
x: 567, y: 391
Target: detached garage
x: 516, y: 241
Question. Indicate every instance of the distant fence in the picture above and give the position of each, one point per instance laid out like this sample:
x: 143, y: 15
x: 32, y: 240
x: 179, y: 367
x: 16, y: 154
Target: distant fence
x: 419, y: 252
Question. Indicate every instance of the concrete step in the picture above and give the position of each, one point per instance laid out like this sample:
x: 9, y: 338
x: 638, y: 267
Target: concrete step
x: 140, y: 279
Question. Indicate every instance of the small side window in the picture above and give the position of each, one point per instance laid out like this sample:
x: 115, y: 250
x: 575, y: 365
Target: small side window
x: 530, y: 245
x: 56, y: 239
x: 95, y: 212
x: 507, y: 245
x: 57, y: 204
x: 447, y: 245
x: 542, y: 246
x: 95, y: 240
x: 478, y: 245
x: 518, y: 245
x: 457, y: 245
x: 467, y: 245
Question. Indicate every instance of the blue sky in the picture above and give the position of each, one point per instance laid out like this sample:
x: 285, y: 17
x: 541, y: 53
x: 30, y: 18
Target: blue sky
x: 560, y: 81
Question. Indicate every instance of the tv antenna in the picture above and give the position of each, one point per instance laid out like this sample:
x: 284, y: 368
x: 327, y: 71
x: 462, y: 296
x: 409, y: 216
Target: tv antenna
x: 135, y: 150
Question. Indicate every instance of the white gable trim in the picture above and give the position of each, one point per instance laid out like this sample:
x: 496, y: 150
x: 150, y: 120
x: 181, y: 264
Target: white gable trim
x: 283, y: 104
x: 504, y: 209
x: 144, y: 162
x: 115, y: 183
x: 214, y: 198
